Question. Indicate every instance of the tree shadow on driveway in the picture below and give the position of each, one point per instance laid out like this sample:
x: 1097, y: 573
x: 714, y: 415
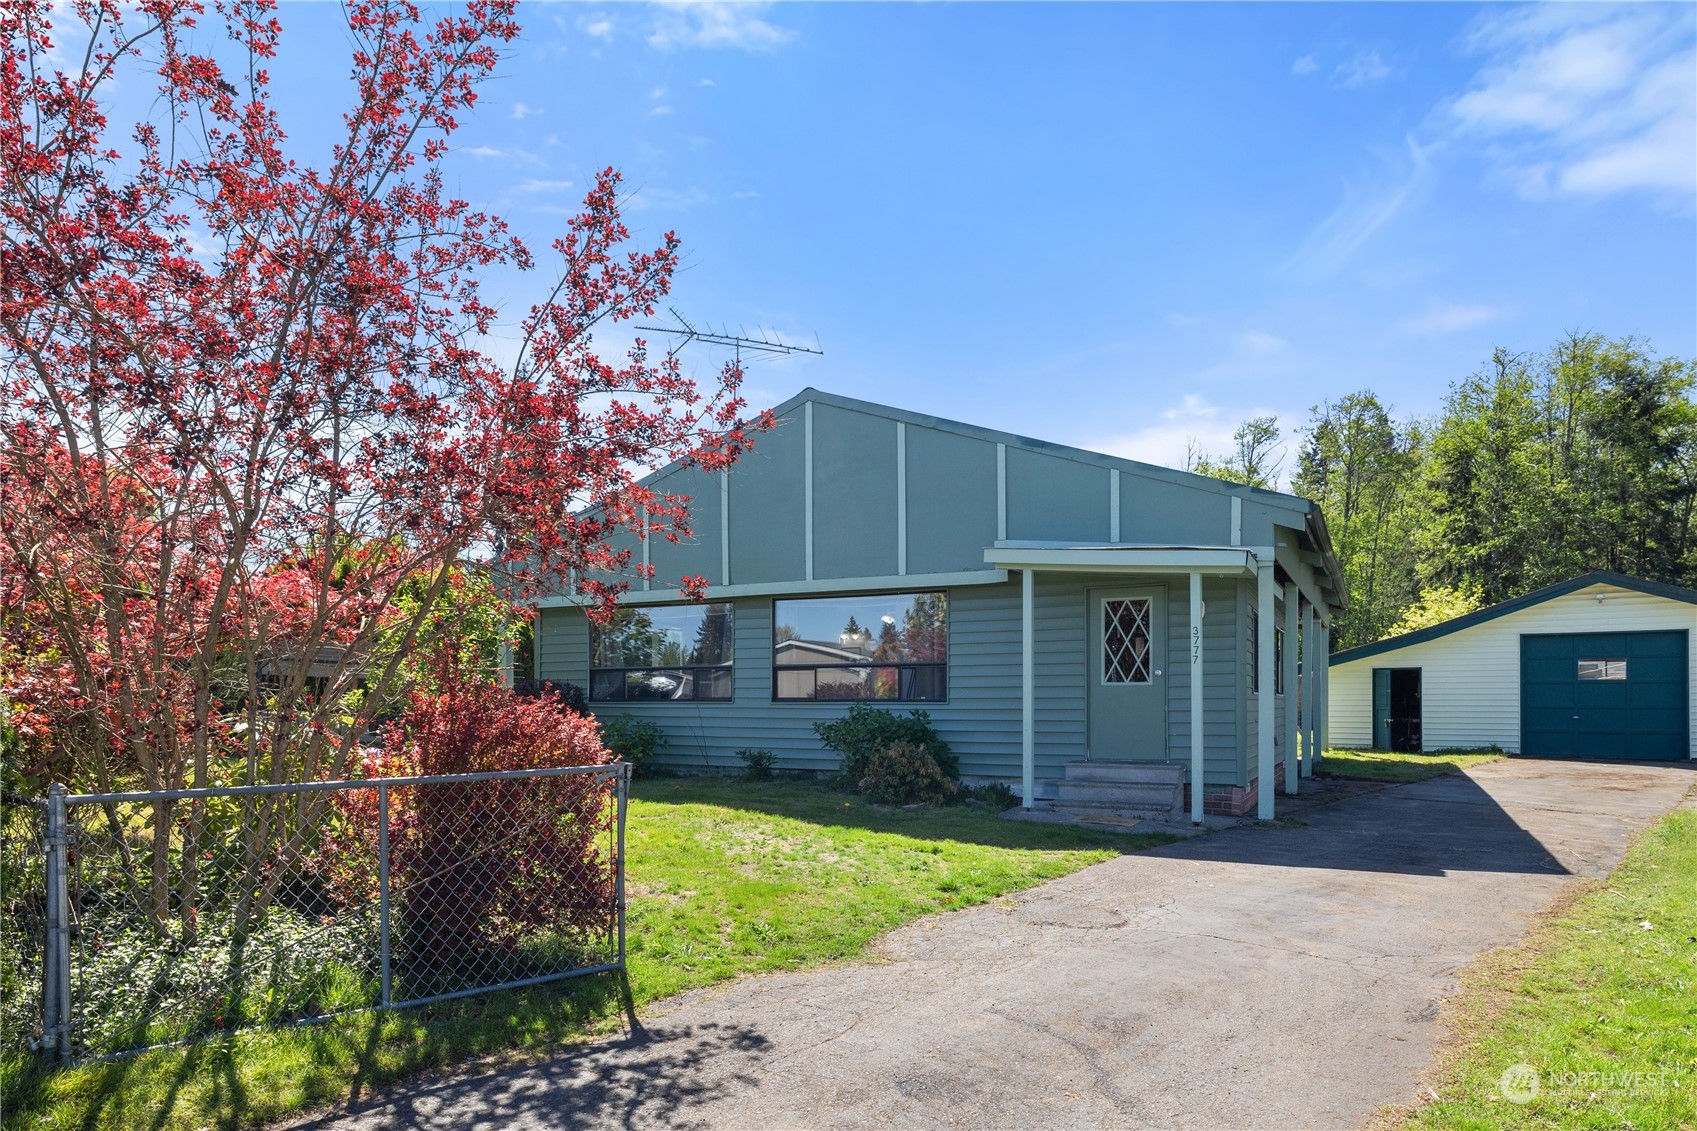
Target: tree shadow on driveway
x: 652, y: 1077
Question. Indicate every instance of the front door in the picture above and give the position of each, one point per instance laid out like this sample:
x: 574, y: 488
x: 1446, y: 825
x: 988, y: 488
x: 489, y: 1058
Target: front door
x: 1125, y: 668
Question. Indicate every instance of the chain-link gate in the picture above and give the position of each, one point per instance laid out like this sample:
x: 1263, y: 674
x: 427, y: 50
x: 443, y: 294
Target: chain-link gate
x: 173, y: 915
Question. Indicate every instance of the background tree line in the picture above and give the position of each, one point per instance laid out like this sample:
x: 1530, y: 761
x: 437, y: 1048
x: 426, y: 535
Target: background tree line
x: 1540, y: 466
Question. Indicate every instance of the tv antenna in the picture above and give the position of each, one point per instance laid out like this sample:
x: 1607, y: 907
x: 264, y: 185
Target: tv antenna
x: 739, y: 342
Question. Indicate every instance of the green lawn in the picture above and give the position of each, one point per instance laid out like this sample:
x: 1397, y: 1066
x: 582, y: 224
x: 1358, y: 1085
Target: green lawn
x: 1378, y: 765
x: 1601, y: 1002
x: 726, y: 878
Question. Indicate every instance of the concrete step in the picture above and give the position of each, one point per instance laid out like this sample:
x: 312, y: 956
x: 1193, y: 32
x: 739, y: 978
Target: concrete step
x: 1114, y: 814
x: 1138, y: 773
x: 1137, y: 795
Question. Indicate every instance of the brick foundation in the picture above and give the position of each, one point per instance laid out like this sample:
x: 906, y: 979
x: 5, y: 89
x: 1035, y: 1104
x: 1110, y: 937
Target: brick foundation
x: 1234, y: 800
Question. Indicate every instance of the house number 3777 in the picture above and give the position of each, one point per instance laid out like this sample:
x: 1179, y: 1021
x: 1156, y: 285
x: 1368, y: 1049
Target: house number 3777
x: 1196, y: 644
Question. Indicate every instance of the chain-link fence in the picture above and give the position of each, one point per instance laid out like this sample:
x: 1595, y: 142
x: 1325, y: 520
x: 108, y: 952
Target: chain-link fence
x: 164, y: 917
x: 23, y: 907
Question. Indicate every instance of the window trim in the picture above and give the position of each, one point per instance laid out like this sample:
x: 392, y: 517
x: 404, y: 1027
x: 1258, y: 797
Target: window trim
x: 943, y: 664
x: 1609, y: 663
x: 1148, y: 618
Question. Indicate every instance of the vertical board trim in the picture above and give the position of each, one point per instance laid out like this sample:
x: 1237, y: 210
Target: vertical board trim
x: 901, y: 498
x: 725, y: 527
x: 807, y: 484
x: 645, y: 579
x: 1237, y: 521
x: 1001, y: 492
x: 1114, y: 505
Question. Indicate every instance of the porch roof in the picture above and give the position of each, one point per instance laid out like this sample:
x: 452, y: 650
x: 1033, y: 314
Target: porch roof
x: 1231, y: 561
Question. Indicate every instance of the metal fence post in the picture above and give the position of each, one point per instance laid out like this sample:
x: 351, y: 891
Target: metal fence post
x: 383, y: 888
x: 56, y: 955
x: 619, y: 873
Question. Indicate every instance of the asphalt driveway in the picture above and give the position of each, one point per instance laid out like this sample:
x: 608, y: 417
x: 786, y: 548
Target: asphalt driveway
x: 1255, y: 977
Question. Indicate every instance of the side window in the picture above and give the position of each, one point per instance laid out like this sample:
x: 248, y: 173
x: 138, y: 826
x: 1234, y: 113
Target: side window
x: 1254, y: 652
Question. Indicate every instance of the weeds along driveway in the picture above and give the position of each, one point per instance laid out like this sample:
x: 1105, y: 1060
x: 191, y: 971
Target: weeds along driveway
x: 1256, y: 977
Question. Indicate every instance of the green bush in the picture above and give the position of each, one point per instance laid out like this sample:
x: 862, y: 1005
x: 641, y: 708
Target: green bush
x: 905, y: 773
x: 636, y: 741
x: 866, y: 730
x: 759, y: 763
x: 997, y: 796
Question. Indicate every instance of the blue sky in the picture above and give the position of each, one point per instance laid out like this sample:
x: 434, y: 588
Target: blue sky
x: 1122, y: 226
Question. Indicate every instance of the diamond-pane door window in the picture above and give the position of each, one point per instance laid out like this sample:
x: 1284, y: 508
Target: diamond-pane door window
x: 1125, y: 640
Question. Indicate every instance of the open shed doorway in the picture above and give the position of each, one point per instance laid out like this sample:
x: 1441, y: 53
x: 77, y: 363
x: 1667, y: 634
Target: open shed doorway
x: 1396, y: 709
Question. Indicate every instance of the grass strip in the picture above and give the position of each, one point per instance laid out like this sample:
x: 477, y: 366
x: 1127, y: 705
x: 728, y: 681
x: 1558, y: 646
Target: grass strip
x: 1379, y: 765
x: 1600, y: 1002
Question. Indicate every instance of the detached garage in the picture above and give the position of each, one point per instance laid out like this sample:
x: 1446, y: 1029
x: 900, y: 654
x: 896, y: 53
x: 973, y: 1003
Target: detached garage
x: 1596, y: 667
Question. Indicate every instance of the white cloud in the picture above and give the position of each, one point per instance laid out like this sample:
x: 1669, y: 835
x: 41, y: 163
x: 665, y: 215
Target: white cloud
x: 482, y: 151
x: 1448, y: 318
x: 713, y: 24
x: 1364, y: 210
x: 597, y: 26
x: 1259, y: 341
x: 1365, y: 68
x: 1194, y: 426
x: 532, y: 184
x: 1304, y: 65
x: 659, y: 111
x: 705, y: 82
x: 521, y: 111
x: 644, y: 199
x: 1589, y: 100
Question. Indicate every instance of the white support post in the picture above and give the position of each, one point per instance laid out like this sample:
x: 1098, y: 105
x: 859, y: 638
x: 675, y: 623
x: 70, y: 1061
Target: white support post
x: 1293, y: 605
x: 1264, y: 699
x: 1310, y: 676
x: 1196, y: 709
x: 1027, y: 695
x: 1323, y: 703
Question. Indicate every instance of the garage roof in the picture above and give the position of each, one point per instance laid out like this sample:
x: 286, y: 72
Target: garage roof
x: 1536, y: 597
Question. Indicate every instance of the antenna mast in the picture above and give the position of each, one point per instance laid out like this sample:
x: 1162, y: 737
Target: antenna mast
x: 738, y: 342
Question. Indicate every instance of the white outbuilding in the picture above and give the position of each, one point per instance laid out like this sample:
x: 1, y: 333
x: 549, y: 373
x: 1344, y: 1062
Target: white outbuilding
x: 1599, y: 666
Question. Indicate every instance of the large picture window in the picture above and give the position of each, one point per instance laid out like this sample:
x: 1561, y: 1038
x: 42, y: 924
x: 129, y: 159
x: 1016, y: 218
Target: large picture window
x: 661, y: 652
x: 892, y: 646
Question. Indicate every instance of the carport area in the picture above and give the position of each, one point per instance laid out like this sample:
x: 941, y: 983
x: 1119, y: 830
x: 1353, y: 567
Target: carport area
x: 1255, y: 977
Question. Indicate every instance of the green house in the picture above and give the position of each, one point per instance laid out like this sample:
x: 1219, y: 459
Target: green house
x: 1090, y: 629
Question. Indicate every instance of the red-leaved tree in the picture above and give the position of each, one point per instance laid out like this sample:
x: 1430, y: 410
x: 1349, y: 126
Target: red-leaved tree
x: 245, y: 398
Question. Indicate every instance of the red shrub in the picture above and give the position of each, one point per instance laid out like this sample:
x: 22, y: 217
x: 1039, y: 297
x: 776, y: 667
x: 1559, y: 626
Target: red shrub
x: 484, y: 864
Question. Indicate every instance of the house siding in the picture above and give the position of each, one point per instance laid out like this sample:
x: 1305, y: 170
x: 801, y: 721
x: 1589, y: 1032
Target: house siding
x: 981, y: 719
x: 1470, y: 679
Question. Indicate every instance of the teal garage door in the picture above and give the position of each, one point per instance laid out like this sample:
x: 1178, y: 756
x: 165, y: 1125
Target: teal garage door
x: 1605, y: 695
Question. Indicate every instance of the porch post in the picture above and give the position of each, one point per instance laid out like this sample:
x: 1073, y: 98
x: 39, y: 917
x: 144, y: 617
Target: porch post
x: 1027, y: 699
x: 1323, y: 706
x: 1264, y: 619
x: 1310, y: 677
x: 1293, y: 605
x: 1196, y: 719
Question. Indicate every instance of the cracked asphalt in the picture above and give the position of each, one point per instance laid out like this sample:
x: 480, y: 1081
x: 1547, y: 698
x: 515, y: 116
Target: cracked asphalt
x: 1254, y: 977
